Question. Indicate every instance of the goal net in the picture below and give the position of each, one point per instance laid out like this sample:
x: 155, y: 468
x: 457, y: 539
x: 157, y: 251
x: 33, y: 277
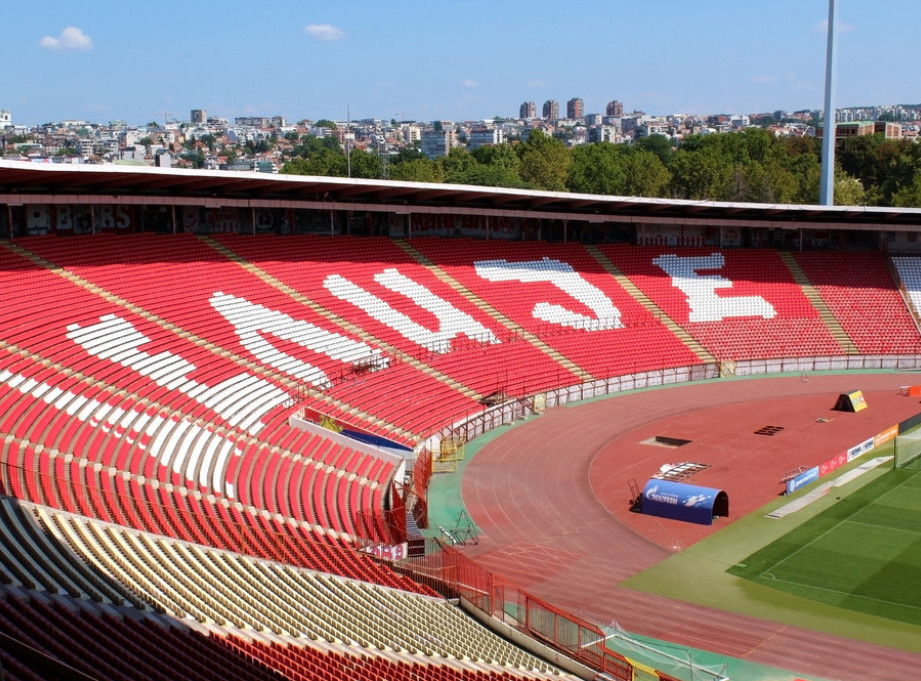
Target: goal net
x: 907, y: 452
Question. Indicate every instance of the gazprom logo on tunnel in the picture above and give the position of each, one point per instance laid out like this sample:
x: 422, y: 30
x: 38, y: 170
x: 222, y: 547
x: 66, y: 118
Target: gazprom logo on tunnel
x: 653, y: 494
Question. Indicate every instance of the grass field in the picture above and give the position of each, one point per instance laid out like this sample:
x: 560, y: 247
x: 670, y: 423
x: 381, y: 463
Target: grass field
x: 862, y: 554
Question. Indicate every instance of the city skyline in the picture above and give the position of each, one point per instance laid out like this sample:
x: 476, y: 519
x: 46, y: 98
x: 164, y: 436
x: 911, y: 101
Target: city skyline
x: 106, y: 60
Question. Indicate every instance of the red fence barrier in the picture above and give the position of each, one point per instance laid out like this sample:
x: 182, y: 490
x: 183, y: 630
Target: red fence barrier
x: 451, y: 573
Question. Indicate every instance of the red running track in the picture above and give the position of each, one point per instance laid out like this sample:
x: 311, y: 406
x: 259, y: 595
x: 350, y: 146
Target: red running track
x: 551, y: 500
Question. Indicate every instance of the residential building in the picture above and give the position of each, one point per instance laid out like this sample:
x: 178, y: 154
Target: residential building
x: 438, y: 141
x: 849, y: 129
x: 411, y: 134
x: 252, y: 121
x: 614, y: 109
x: 738, y: 121
x: 551, y: 110
x: 575, y: 109
x: 527, y: 110
x: 481, y: 137
x: 890, y: 130
x: 199, y: 116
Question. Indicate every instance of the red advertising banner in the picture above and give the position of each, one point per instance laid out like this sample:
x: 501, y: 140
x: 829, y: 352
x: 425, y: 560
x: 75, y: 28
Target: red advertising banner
x: 832, y: 464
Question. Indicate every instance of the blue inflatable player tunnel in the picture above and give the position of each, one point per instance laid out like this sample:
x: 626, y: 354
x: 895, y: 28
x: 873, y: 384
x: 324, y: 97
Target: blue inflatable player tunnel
x: 677, y: 500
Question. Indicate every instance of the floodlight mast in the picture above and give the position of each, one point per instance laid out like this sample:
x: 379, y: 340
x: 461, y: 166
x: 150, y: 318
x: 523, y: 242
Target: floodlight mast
x: 828, y: 132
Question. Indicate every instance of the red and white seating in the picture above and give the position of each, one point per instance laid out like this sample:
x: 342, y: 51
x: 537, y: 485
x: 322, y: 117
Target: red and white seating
x: 563, y: 296
x: 739, y: 304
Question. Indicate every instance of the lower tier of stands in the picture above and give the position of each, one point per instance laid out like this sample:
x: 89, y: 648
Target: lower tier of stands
x: 119, y: 604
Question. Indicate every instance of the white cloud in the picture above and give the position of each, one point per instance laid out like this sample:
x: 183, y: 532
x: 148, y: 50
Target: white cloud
x: 324, y: 32
x: 764, y: 78
x: 71, y: 38
x: 467, y: 82
x: 538, y: 83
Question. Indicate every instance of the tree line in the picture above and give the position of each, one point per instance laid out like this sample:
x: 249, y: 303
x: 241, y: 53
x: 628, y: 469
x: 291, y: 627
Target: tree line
x: 750, y: 165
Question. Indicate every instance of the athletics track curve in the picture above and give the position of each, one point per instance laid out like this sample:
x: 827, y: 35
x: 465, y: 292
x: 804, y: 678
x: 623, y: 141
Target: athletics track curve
x: 551, y: 500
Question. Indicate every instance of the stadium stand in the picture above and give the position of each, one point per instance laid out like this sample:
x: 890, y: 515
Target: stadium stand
x: 740, y: 304
x: 73, y: 579
x: 860, y: 291
x: 558, y: 295
x: 156, y: 488
x: 908, y: 270
x: 349, y: 278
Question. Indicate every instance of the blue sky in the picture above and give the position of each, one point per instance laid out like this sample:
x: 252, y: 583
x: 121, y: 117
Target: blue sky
x: 100, y: 60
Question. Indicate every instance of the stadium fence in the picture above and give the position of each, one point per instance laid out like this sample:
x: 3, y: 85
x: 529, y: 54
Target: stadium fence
x: 453, y: 575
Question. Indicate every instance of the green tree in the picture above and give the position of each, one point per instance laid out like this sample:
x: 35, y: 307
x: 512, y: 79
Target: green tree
x: 493, y: 166
x: 780, y: 185
x: 660, y: 145
x: 488, y: 176
x: 458, y: 160
x: 597, y: 169
x: 419, y: 169
x: 545, y: 162
x: 794, y: 146
x: 901, y: 175
x: 758, y: 143
x: 645, y: 174
x: 909, y: 195
x: 700, y: 175
x: 808, y: 173
x: 848, y: 190
x: 872, y: 159
x: 196, y: 158
x: 326, y: 163
x: 405, y: 154
x: 365, y: 164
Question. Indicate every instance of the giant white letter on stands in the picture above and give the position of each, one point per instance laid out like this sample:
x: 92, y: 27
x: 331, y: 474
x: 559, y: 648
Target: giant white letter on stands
x: 241, y: 400
x: 251, y: 321
x: 570, y: 282
x: 705, y: 304
x: 452, y: 322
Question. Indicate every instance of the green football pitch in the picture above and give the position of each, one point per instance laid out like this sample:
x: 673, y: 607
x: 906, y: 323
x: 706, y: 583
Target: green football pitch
x: 863, y: 553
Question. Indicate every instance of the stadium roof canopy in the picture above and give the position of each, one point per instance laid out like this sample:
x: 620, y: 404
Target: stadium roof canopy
x: 24, y: 183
